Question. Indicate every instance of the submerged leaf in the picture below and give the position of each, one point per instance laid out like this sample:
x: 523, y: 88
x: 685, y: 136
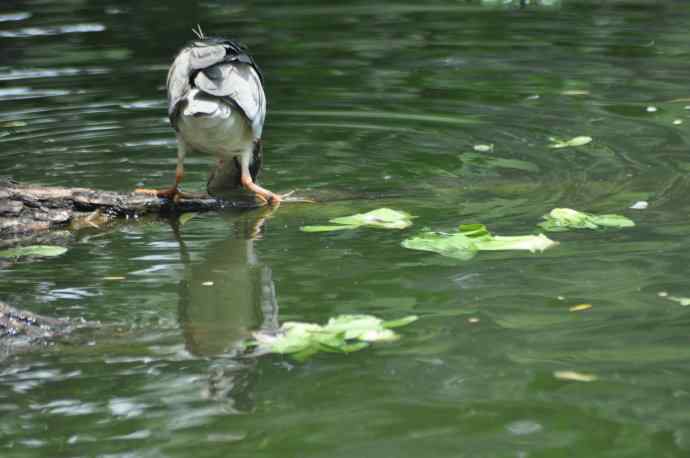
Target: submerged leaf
x: 381, y: 218
x: 34, y: 250
x: 563, y: 219
x: 326, y: 228
x: 576, y: 141
x: 484, y: 161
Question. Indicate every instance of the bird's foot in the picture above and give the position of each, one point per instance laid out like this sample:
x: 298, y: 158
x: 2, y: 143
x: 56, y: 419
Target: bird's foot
x: 265, y: 196
x: 272, y: 199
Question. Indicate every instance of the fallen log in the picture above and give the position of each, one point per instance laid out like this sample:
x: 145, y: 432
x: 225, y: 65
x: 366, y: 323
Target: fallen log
x: 27, y: 209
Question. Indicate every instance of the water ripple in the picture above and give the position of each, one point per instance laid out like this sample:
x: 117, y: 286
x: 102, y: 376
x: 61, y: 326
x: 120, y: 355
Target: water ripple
x: 20, y: 93
x: 14, y: 17
x: 49, y: 31
x: 11, y: 74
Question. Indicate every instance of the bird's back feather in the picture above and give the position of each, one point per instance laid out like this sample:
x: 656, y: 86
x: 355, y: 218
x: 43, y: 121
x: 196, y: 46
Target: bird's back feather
x: 221, y: 68
x: 240, y: 85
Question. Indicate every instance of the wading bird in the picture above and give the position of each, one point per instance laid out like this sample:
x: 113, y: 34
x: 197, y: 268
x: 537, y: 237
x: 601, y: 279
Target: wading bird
x: 217, y: 105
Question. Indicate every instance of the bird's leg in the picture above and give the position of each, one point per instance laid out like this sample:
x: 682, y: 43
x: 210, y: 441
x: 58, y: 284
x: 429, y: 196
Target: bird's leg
x: 263, y: 194
x: 173, y: 192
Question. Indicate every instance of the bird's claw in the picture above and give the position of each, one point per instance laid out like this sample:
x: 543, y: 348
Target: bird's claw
x: 272, y: 199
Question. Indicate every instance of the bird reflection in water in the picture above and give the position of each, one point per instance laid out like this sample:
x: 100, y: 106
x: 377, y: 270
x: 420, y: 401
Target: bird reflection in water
x: 223, y: 297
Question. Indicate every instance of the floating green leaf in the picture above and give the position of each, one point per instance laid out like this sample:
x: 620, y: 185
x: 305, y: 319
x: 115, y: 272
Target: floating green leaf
x: 33, y: 250
x: 381, y: 218
x: 576, y: 141
x: 563, y: 219
x: 475, y: 231
x: 530, y: 243
x: 400, y: 322
x: 456, y: 246
x: 342, y: 334
x: 472, y: 238
x: 366, y: 327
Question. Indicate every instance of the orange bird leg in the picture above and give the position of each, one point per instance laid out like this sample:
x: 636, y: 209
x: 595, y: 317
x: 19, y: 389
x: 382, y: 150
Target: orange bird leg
x: 168, y: 193
x: 266, y: 196
x: 171, y: 193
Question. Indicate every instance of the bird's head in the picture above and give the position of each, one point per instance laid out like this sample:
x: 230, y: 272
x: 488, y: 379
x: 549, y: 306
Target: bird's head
x: 203, y: 40
x: 234, y: 51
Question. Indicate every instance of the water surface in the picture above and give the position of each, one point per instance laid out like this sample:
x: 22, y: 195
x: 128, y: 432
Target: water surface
x: 370, y: 105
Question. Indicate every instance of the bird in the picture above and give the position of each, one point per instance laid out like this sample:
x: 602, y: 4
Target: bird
x: 217, y: 105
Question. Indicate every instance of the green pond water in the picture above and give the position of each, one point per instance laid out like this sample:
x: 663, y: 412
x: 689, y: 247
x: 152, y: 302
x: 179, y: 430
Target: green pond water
x: 370, y: 105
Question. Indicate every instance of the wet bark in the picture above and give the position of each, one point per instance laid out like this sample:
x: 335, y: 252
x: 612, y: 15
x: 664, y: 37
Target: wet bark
x: 27, y: 209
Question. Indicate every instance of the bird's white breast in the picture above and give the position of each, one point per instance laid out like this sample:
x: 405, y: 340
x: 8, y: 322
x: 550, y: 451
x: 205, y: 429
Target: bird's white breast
x: 212, y: 126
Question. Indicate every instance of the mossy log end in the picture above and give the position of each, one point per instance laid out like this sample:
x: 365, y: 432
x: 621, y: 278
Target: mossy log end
x: 27, y: 209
